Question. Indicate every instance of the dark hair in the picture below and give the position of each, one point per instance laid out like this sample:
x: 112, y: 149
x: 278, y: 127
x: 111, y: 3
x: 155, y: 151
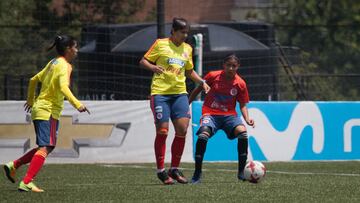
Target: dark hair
x: 231, y: 56
x: 61, y: 42
x: 179, y: 24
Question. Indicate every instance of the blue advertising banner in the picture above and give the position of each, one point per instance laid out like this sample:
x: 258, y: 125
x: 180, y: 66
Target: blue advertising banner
x: 287, y: 131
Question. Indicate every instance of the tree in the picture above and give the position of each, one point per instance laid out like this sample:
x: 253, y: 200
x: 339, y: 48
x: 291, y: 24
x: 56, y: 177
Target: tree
x: 29, y: 26
x: 328, y: 33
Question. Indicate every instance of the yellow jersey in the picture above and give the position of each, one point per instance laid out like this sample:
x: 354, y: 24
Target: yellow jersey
x: 55, y: 80
x: 174, y: 60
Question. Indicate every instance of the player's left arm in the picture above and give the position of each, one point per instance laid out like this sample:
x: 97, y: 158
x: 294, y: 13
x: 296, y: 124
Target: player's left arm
x: 243, y: 99
x: 197, y: 79
x: 245, y: 114
x: 190, y: 73
x: 64, y: 81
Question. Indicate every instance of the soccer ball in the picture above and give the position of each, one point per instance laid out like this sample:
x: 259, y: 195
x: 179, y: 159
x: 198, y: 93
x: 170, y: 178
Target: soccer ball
x: 254, y: 171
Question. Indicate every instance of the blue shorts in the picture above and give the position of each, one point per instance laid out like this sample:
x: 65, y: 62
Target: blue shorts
x: 169, y: 106
x: 46, y: 132
x: 216, y: 122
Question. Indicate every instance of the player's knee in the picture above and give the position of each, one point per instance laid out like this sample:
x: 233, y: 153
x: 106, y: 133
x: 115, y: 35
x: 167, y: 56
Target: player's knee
x: 183, y: 136
x: 49, y: 149
x: 162, y: 131
x: 181, y: 133
x: 45, y: 151
x: 242, y: 135
x: 204, y: 133
x: 240, y: 128
x: 204, y: 137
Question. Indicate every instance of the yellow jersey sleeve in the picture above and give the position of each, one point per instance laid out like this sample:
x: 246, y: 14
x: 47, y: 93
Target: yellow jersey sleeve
x: 32, y: 86
x: 64, y: 87
x: 31, y: 90
x: 153, y: 53
x: 64, y: 78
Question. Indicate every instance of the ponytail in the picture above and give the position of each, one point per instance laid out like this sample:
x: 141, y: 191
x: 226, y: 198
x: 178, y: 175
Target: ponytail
x: 61, y: 42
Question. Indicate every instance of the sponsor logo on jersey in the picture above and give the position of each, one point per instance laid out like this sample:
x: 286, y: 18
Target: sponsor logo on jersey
x: 174, y: 70
x: 179, y: 62
x: 233, y: 91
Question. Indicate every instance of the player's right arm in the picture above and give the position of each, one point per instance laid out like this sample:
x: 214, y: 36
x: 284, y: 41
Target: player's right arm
x: 245, y: 114
x: 144, y: 63
x: 31, y: 90
x: 149, y: 60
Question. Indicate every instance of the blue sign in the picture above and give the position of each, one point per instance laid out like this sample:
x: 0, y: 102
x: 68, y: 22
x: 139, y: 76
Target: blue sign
x: 287, y: 131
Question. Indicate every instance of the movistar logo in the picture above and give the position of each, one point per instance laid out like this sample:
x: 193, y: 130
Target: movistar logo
x: 176, y: 61
x: 297, y: 131
x: 281, y: 145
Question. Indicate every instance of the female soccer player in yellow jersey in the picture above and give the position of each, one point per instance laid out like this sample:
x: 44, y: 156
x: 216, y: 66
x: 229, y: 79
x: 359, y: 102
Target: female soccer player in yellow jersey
x: 46, y: 109
x: 171, y: 61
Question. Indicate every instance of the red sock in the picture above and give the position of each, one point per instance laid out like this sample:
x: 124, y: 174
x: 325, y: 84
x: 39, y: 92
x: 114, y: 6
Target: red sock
x: 177, y: 149
x: 26, y: 158
x: 35, y: 165
x: 160, y: 147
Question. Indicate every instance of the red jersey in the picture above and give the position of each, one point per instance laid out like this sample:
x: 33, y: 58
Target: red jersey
x: 221, y: 99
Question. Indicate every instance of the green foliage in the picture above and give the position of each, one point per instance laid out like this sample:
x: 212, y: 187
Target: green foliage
x: 27, y: 28
x: 328, y: 32
x: 14, y: 14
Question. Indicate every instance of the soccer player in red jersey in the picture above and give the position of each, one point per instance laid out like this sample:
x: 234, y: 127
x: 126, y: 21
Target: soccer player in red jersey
x: 46, y: 110
x: 218, y: 112
x: 171, y: 61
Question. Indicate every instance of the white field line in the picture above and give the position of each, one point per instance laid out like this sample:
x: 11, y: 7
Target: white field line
x: 229, y: 170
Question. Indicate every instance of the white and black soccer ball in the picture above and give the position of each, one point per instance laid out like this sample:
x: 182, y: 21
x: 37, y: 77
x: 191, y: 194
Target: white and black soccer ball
x: 254, y: 171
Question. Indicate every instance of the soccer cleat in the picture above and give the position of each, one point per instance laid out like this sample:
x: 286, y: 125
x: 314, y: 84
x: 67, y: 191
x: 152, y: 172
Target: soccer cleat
x: 177, y: 175
x: 163, y: 176
x: 29, y: 187
x: 196, y: 179
x: 10, y: 171
x: 241, y: 176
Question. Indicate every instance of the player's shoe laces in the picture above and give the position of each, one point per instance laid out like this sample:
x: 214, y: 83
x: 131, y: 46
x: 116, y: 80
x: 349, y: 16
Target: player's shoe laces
x: 241, y: 176
x: 196, y: 179
x: 10, y: 171
x: 177, y: 175
x: 163, y: 176
x: 29, y: 187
